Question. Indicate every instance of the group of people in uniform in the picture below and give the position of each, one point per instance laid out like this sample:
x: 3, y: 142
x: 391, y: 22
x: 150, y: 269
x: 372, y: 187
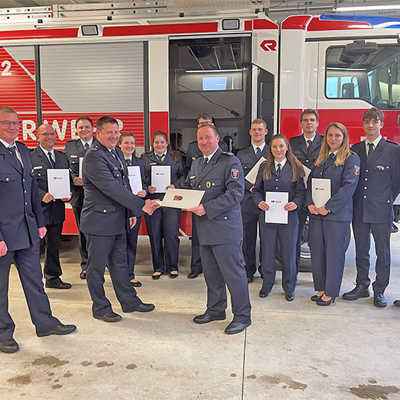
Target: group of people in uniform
x: 225, y: 223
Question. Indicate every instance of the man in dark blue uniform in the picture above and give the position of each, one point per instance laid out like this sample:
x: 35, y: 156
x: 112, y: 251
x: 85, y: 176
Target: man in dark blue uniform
x: 76, y: 149
x: 306, y: 148
x: 108, y: 207
x: 44, y: 157
x: 378, y: 186
x: 248, y: 158
x: 219, y: 228
x: 21, y: 227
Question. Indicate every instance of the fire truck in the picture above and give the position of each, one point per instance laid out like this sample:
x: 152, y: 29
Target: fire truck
x: 155, y: 67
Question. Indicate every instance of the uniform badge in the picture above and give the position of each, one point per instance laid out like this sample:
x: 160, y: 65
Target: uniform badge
x: 235, y: 173
x: 380, y: 167
x: 356, y: 170
x: 208, y: 184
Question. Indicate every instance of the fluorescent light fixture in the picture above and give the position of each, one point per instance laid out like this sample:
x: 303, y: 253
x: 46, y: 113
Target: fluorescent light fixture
x: 212, y: 71
x: 368, y: 8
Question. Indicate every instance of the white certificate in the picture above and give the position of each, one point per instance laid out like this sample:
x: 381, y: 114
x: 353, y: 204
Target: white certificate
x: 306, y: 175
x: 135, y: 179
x: 252, y: 175
x: 58, y: 183
x: 276, y: 213
x: 160, y: 177
x: 182, y: 198
x: 80, y: 166
x: 321, y: 191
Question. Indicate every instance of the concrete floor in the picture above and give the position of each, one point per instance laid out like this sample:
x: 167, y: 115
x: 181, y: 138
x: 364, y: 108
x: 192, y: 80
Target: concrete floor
x: 292, y: 350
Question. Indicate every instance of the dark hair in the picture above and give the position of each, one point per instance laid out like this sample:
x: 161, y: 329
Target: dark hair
x: 206, y: 116
x: 105, y: 120
x: 373, y: 113
x: 210, y: 125
x: 7, y: 109
x: 84, y: 118
x: 309, y: 111
x: 159, y: 133
x: 124, y: 135
x: 297, y: 166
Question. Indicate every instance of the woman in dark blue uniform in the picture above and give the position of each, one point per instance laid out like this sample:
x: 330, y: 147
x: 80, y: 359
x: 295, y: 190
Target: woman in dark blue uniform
x: 330, y: 223
x: 281, y: 172
x: 127, y: 143
x: 163, y: 224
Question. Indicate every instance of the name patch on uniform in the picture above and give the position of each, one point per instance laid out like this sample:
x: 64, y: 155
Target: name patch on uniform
x: 38, y: 167
x: 73, y: 156
x: 235, y: 173
x: 356, y: 170
x: 380, y: 167
x: 208, y: 184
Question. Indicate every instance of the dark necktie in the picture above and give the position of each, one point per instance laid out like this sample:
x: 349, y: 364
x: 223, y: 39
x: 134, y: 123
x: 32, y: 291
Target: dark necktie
x: 258, y: 152
x: 53, y: 164
x: 128, y: 162
x: 309, y: 143
x: 205, y: 162
x: 13, y: 152
x: 160, y: 158
x: 86, y: 147
x: 371, y: 148
x: 278, y: 169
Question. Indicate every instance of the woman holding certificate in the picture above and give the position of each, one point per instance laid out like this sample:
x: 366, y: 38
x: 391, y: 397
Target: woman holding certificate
x: 127, y: 143
x: 279, y: 192
x: 330, y: 189
x: 163, y: 171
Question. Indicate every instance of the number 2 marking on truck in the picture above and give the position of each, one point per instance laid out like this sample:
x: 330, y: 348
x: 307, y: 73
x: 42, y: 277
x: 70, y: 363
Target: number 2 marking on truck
x: 7, y: 66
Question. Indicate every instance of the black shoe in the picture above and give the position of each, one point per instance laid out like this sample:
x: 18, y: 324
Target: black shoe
x: 136, y: 284
x: 173, y: 274
x: 111, y: 316
x: 289, y: 296
x: 263, y: 293
x: 58, y: 330
x: 193, y: 275
x: 57, y: 283
x: 142, y: 307
x: 379, y: 300
x: 321, y: 302
x: 82, y: 275
x: 315, y: 297
x: 9, y: 346
x: 155, y: 277
x: 396, y: 303
x: 236, y: 327
x: 358, y: 292
x: 250, y: 279
x: 206, y: 318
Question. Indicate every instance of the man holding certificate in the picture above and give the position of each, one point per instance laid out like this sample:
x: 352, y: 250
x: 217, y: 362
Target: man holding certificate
x: 279, y: 192
x: 330, y: 189
x: 50, y: 168
x: 219, y: 229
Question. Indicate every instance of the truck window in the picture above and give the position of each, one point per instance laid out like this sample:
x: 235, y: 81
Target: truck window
x: 372, y: 74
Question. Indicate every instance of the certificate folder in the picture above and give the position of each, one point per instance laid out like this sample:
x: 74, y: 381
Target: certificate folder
x: 182, y: 198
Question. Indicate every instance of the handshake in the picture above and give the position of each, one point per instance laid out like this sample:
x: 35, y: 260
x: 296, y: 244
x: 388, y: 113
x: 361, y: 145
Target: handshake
x: 150, y: 206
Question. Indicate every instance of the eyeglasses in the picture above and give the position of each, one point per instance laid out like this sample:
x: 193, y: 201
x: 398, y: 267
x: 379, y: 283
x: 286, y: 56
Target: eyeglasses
x: 9, y: 123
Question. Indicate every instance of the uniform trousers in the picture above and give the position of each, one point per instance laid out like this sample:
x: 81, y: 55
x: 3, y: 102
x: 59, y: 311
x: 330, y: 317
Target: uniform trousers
x: 29, y: 269
x: 362, y: 236
x: 287, y: 236
x: 110, y: 251
x: 163, y: 228
x: 195, y: 262
x: 82, y: 238
x: 131, y: 239
x: 250, y: 222
x: 52, y: 266
x: 328, y: 247
x: 222, y: 265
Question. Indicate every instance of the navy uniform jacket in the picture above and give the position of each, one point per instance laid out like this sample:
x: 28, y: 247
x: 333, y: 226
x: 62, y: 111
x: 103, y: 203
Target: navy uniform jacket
x: 223, y: 182
x: 282, y: 183
x: 248, y: 159
x: 379, y: 182
x: 20, y: 211
x: 108, y: 199
x: 344, y: 179
x: 177, y: 174
x: 307, y: 156
x: 54, y: 211
x: 74, y: 150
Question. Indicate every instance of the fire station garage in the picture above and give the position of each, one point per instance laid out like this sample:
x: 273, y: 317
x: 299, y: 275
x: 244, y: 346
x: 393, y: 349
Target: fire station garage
x: 91, y: 94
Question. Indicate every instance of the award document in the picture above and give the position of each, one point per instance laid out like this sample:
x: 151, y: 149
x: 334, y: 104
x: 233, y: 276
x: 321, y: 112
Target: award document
x: 321, y: 191
x: 80, y: 166
x: 135, y: 179
x: 276, y: 213
x: 160, y: 177
x: 182, y: 198
x: 252, y: 175
x: 58, y: 183
x: 307, y: 174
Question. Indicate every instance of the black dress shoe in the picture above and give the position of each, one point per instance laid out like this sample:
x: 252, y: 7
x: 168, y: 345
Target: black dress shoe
x: 142, y: 307
x: 236, y: 327
x: 173, y: 274
x: 379, y: 300
x: 396, y: 303
x: 82, y: 275
x: 111, y: 316
x: 58, y: 330
x: 57, y: 283
x: 155, y: 277
x: 289, y: 296
x: 263, y: 293
x: 315, y: 297
x: 206, y: 318
x: 325, y: 303
x: 250, y: 279
x: 193, y: 275
x: 9, y: 346
x: 358, y: 292
x: 136, y: 284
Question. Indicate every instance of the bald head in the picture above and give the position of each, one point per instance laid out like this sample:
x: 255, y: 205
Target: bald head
x: 46, y: 137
